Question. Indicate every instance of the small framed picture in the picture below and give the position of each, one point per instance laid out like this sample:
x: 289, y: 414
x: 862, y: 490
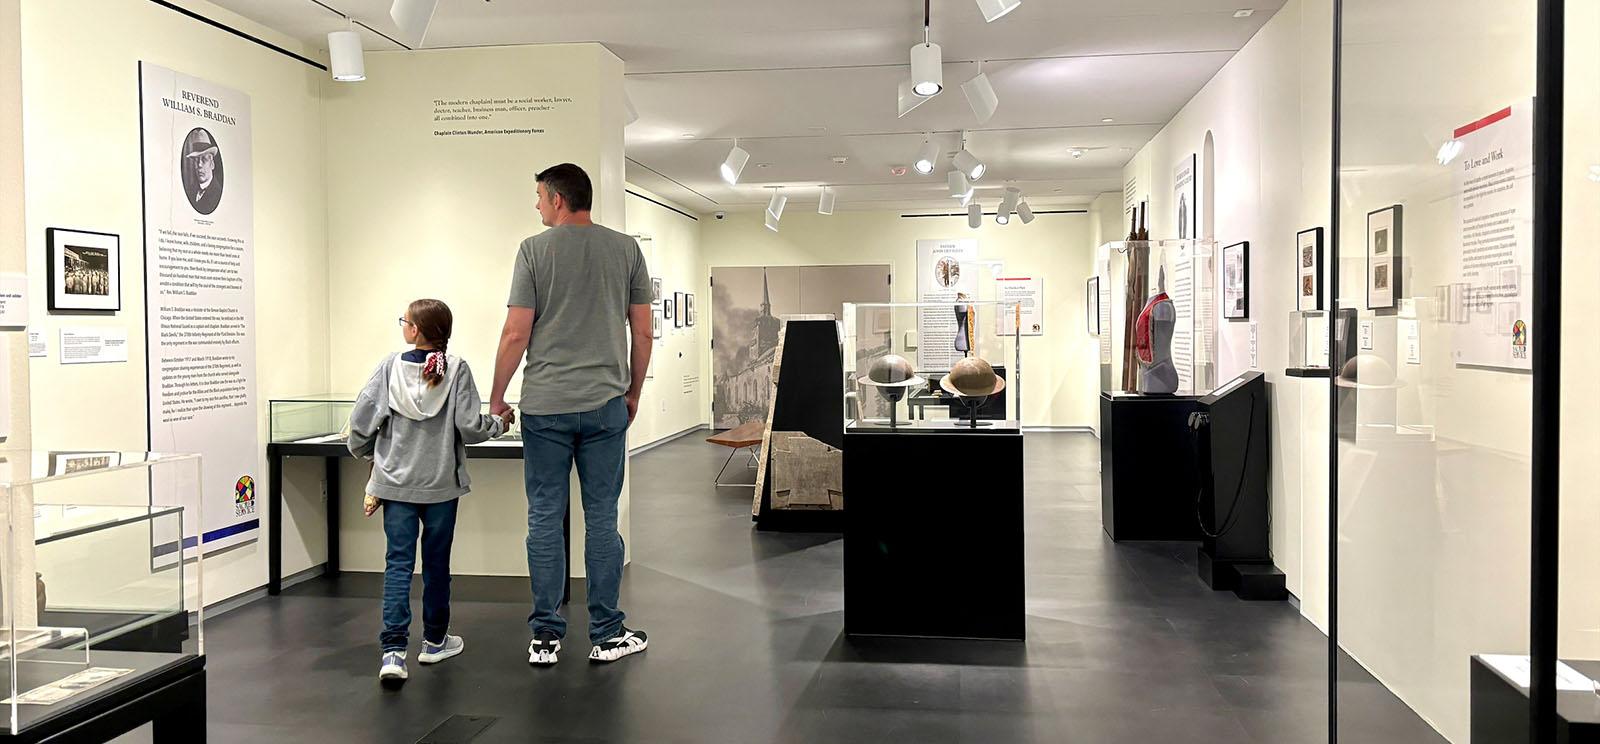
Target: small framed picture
x: 655, y: 289
x: 1236, y: 281
x: 84, y: 270
x: 1383, y: 258
x: 1308, y: 269
x: 655, y: 321
x: 666, y: 309
x: 678, y: 309
x: 1091, y: 310
x: 688, y: 310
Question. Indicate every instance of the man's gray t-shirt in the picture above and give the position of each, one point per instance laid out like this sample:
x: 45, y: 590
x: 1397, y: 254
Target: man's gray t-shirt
x: 579, y: 280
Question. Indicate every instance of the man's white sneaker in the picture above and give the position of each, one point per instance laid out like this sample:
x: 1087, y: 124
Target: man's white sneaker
x: 542, y: 649
x: 433, y: 654
x: 626, y: 643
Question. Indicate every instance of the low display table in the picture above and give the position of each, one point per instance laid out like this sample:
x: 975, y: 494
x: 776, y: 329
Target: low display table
x: 935, y: 511
x: 167, y: 691
x: 1500, y: 707
x: 1148, y: 478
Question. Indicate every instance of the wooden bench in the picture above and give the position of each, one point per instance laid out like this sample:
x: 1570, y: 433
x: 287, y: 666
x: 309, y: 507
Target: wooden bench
x: 746, y: 436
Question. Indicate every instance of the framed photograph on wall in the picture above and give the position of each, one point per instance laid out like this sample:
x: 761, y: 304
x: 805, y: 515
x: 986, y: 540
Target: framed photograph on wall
x: 1308, y: 269
x: 1236, y: 281
x: 655, y: 321
x: 655, y: 289
x: 1383, y: 258
x: 688, y: 310
x: 666, y: 310
x: 1091, y: 305
x: 84, y: 270
x: 677, y: 309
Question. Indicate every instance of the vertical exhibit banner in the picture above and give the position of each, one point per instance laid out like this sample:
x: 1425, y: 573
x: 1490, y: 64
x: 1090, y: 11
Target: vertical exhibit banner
x: 947, y: 271
x: 1494, y: 218
x: 1185, y: 214
x: 200, y: 295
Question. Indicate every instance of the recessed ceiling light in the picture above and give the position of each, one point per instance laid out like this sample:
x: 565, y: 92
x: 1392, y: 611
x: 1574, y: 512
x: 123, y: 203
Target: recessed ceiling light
x: 840, y: 159
x: 1107, y: 120
x: 686, y: 135
x: 763, y: 165
x: 1077, y: 152
x: 1244, y: 13
x: 817, y: 128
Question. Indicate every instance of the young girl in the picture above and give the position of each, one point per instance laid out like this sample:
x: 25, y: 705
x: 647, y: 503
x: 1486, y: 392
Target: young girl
x: 414, y: 419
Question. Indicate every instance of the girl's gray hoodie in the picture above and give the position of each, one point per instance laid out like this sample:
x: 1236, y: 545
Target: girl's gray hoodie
x: 417, y: 435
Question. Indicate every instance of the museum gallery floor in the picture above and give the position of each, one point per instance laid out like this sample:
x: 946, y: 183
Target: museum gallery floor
x: 1124, y: 645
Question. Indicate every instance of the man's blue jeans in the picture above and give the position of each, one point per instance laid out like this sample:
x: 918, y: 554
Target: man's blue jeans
x: 402, y: 523
x: 597, y: 441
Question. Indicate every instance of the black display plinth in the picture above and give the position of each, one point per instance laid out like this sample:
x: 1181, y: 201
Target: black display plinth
x: 806, y: 399
x: 1148, y: 480
x: 935, y: 519
x: 1233, y: 441
x: 1500, y: 707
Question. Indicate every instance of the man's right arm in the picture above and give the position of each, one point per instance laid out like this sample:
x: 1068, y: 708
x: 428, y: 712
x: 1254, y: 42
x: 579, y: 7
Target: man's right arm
x: 513, y: 346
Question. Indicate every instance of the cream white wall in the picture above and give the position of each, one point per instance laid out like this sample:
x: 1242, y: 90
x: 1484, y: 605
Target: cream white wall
x: 676, y: 397
x: 414, y: 215
x: 1268, y: 113
x: 1056, y: 247
x: 81, y: 123
x: 13, y: 241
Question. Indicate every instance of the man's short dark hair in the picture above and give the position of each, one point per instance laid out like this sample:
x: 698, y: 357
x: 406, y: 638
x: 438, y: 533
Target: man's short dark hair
x: 571, y: 183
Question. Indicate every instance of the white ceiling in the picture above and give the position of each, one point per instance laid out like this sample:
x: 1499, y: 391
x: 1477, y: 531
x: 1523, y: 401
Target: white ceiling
x: 804, y: 81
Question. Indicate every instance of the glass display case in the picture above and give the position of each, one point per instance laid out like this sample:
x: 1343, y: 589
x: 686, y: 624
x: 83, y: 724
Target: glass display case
x: 325, y: 419
x: 922, y: 366
x: 100, y: 584
x: 1133, y: 277
x: 1308, y: 343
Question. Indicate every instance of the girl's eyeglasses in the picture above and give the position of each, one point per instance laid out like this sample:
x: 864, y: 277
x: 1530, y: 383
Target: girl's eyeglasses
x: 403, y: 322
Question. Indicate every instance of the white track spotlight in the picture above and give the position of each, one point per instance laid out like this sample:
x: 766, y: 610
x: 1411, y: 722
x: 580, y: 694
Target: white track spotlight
x: 959, y: 187
x: 974, y: 215
x: 1024, y: 212
x: 908, y: 100
x: 981, y: 97
x: 825, y: 203
x: 1008, y: 204
x: 734, y: 165
x: 926, y: 157
x: 969, y: 164
x: 775, y: 207
x: 344, y: 54
x: 994, y: 10
x: 413, y: 18
x: 927, y: 69
x: 772, y: 222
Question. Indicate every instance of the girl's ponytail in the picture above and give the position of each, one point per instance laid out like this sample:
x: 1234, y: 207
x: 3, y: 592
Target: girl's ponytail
x: 434, y: 322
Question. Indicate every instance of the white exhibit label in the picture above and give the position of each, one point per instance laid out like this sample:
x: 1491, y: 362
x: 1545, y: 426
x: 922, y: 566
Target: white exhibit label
x: 1182, y: 291
x: 1024, y: 293
x: 36, y: 347
x: 1366, y: 335
x: 1255, y: 338
x: 1493, y: 177
x: 200, y: 298
x: 13, y: 300
x: 947, y: 271
x: 1411, y: 336
x: 90, y: 345
x: 1107, y: 332
x: 1519, y: 671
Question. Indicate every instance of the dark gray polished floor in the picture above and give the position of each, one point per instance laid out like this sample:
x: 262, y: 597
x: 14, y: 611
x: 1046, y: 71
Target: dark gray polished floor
x: 1124, y: 644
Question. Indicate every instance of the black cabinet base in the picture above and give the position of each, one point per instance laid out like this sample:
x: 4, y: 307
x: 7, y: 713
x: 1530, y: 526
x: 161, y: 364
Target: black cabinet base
x: 1148, y: 478
x: 933, y: 538
x: 1256, y: 581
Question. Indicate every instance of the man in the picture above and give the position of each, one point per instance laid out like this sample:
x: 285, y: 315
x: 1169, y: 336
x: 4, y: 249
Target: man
x: 202, y: 176
x: 572, y: 289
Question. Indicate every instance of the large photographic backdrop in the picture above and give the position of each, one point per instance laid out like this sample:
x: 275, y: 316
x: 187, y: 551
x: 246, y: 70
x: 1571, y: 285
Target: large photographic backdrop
x: 200, y: 296
x: 747, y: 304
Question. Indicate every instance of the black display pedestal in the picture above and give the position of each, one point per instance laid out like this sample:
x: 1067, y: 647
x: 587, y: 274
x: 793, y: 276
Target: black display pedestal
x: 808, y: 393
x: 935, y: 520
x: 1500, y: 708
x: 1148, y: 480
x: 1233, y: 441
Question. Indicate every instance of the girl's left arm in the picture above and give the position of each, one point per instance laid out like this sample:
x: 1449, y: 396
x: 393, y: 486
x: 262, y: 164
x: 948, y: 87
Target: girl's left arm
x: 475, y: 427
